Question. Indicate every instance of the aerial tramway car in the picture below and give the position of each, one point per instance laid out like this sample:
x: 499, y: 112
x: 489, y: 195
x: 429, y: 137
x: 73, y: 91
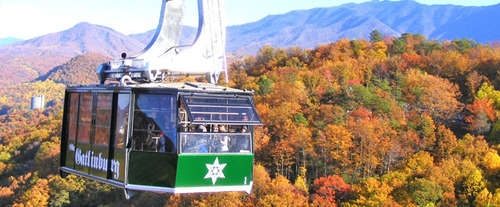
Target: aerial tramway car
x: 179, y: 137
x: 139, y: 133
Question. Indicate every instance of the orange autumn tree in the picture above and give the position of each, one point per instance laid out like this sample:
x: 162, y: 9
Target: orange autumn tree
x: 372, y: 141
x: 330, y: 191
x: 481, y: 116
x: 336, y: 145
x: 430, y: 94
x: 282, y: 193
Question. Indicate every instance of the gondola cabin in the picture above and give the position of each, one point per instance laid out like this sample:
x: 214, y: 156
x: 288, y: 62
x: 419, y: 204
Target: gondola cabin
x: 175, y: 138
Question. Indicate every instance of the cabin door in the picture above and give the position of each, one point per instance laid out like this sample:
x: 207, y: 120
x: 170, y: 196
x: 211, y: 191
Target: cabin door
x: 153, y: 151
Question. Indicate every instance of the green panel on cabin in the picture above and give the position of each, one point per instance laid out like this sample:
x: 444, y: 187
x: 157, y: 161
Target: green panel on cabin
x: 193, y: 170
x: 152, y: 168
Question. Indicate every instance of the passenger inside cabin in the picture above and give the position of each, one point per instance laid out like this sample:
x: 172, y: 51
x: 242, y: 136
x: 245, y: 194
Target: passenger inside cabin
x: 200, y: 127
x: 222, y: 129
x: 244, y: 128
x: 203, y: 146
x: 224, y: 143
x: 196, y: 144
x: 239, y: 144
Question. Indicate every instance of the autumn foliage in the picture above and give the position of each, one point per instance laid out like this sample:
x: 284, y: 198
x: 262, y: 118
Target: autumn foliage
x: 330, y: 191
x: 394, y: 121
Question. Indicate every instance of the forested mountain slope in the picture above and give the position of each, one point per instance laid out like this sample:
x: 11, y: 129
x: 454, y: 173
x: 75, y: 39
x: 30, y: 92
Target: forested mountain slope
x: 380, y: 122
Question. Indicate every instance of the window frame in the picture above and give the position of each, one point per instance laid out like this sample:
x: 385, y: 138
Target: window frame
x: 249, y: 105
x: 212, y: 137
x: 133, y: 116
x: 86, y: 114
x: 106, y: 127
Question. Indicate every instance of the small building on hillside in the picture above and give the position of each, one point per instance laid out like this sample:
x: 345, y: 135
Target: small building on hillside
x: 37, y: 102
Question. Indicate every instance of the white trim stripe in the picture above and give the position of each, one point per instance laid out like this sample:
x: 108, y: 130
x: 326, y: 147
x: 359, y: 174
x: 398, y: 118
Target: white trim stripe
x: 115, y: 183
x: 245, y: 188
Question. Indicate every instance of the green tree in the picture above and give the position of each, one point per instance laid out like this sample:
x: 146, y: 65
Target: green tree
x: 375, y: 36
x: 487, y: 91
x: 398, y: 46
x: 265, y: 85
x: 473, y: 185
x: 494, y: 135
x: 425, y: 192
x: 463, y: 45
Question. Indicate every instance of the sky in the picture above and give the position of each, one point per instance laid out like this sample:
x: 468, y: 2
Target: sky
x: 26, y: 19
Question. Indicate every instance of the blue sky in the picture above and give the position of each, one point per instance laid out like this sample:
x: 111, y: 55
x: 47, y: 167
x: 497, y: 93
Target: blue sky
x: 30, y: 18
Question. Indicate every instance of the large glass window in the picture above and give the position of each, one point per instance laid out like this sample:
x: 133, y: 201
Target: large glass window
x: 215, y: 143
x: 221, y: 109
x: 103, y: 118
x: 155, y: 123
x: 85, y: 119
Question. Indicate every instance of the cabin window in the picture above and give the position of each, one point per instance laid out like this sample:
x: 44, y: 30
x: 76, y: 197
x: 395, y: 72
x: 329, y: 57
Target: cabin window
x: 85, y: 118
x: 221, y: 109
x: 71, y: 125
x: 72, y: 117
x: 103, y: 118
x: 122, y: 120
x: 216, y: 142
x: 155, y: 123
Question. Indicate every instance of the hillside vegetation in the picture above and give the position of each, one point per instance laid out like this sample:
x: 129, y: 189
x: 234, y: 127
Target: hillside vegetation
x: 81, y: 69
x: 382, y: 122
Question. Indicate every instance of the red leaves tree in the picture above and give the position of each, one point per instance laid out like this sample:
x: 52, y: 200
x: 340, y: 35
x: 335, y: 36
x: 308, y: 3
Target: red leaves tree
x: 330, y: 191
x: 481, y: 115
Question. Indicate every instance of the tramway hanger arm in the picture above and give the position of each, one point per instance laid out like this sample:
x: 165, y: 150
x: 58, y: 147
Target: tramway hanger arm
x: 164, y: 56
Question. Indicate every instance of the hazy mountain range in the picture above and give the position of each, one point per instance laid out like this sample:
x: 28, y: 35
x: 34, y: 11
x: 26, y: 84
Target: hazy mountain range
x: 27, y: 60
x: 307, y: 28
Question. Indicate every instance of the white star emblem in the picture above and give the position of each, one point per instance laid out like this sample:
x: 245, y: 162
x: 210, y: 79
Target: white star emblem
x: 215, y: 170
